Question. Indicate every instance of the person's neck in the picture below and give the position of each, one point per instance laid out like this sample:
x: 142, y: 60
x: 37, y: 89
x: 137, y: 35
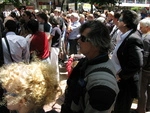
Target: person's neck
x: 125, y: 30
x: 93, y: 54
x: 23, y: 110
x: 148, y: 32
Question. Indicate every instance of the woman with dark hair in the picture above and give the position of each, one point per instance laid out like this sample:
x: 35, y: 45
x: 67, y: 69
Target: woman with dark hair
x: 92, y: 86
x: 128, y: 60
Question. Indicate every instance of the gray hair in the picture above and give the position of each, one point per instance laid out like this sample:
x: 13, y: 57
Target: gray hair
x: 98, y: 35
x: 145, y: 22
x: 75, y: 15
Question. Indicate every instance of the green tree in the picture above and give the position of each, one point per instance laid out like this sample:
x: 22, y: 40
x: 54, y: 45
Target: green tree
x: 99, y: 2
x: 17, y: 3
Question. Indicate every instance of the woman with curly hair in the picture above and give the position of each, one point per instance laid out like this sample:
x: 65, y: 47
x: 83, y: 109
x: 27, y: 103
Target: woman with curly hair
x: 28, y: 86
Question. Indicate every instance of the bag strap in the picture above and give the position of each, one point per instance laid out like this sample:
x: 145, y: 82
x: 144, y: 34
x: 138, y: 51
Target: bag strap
x: 8, y: 47
x: 1, y: 51
x: 101, y: 69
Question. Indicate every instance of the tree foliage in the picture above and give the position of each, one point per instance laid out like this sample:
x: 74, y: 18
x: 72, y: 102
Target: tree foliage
x: 99, y: 2
x: 16, y: 3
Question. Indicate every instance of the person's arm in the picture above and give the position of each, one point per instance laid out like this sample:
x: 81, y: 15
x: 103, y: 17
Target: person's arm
x: 52, y: 34
x: 48, y: 35
x: 69, y: 67
x: 69, y: 26
x: 101, y: 97
x: 146, y: 51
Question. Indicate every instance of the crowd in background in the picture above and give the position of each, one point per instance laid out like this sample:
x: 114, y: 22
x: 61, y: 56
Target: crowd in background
x: 53, y: 37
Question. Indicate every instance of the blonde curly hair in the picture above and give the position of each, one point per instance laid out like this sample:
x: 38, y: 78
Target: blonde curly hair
x: 35, y: 82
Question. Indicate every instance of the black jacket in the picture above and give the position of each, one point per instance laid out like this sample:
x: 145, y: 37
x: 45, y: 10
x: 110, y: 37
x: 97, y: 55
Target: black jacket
x: 130, y: 56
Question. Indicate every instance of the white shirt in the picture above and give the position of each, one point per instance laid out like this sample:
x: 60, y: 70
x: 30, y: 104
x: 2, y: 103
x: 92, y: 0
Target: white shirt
x: 18, y: 47
x: 114, y: 57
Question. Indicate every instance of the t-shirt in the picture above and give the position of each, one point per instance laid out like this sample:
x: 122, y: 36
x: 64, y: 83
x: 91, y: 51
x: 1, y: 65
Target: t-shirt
x: 56, y: 33
x: 39, y: 43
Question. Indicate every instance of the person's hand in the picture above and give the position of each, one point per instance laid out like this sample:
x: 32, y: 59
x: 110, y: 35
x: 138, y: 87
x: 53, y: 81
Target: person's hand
x: 72, y: 56
x: 69, y: 21
x: 118, y: 78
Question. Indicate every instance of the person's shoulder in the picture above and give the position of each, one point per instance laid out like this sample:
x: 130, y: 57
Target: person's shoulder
x: 39, y: 33
x: 47, y: 25
x: 57, y: 29
x: 135, y: 35
x: 19, y: 36
x: 148, y: 37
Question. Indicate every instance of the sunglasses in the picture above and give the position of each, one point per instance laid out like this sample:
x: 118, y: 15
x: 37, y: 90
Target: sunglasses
x: 120, y: 19
x: 84, y: 39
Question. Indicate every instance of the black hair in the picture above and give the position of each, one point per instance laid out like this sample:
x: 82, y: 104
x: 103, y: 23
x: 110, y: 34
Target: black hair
x: 54, y: 21
x: 98, y: 34
x: 33, y: 25
x: 28, y: 13
x: 43, y: 16
x: 117, y: 15
x: 11, y: 25
x: 130, y: 18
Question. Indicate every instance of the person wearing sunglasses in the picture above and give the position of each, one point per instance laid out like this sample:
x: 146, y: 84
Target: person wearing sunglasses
x: 128, y: 60
x: 92, y: 86
x: 28, y: 87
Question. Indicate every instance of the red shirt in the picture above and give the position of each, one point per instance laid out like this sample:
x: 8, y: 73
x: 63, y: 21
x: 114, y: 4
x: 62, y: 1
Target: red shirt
x: 40, y: 44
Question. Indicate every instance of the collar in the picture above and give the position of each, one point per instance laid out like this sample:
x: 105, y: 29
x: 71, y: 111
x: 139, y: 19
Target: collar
x: 99, y: 59
x: 123, y: 36
x: 10, y: 33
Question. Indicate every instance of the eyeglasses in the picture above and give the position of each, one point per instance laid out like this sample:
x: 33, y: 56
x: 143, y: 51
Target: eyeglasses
x: 10, y: 94
x: 120, y: 19
x: 84, y: 39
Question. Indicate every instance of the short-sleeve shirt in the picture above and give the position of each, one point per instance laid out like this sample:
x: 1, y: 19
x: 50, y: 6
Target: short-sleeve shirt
x: 56, y: 33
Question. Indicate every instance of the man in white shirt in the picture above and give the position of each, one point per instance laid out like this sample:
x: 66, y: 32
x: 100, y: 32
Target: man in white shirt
x: 19, y: 49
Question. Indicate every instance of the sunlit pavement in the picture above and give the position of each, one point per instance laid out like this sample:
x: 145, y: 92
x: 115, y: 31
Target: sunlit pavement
x: 134, y: 105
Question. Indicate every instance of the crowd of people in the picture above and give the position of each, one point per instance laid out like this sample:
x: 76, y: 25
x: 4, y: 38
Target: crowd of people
x: 112, y: 50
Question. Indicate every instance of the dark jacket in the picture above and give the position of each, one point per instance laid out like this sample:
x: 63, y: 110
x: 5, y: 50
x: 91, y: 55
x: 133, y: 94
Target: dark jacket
x: 130, y: 56
x: 146, y: 58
